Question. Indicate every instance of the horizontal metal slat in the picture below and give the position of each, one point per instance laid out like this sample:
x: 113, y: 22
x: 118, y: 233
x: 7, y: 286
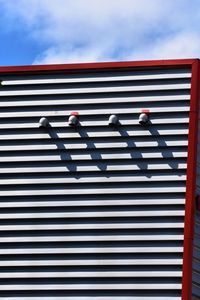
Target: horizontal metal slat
x: 99, y: 179
x: 96, y: 142
x: 93, y: 191
x: 108, y: 111
x: 108, y: 168
x: 101, y: 298
x: 85, y: 130
x: 88, y: 113
x: 84, y: 145
x: 96, y: 89
x: 105, y: 274
x: 94, y: 101
x: 96, y: 156
x: 91, y: 134
x: 94, y: 214
x: 92, y: 238
x: 94, y: 226
x: 91, y: 250
x: 117, y: 286
x: 93, y: 168
x: 123, y: 122
x: 105, y: 202
x: 106, y: 77
x: 101, y: 262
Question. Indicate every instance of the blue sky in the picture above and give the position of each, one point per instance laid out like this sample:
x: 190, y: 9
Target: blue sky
x: 68, y: 31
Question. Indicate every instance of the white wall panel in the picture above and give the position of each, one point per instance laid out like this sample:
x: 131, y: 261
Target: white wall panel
x: 93, y: 212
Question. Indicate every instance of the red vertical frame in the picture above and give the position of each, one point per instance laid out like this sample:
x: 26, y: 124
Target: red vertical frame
x: 191, y: 184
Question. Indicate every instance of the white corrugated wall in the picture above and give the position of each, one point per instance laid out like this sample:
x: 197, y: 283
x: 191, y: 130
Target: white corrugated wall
x: 93, y: 212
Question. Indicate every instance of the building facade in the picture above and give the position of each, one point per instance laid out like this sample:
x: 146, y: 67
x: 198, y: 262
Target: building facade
x: 99, y: 181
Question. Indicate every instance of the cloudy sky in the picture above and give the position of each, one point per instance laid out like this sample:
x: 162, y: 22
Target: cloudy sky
x: 66, y: 31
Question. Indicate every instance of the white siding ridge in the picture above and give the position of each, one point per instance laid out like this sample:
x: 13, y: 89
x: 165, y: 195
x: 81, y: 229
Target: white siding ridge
x: 96, y: 191
x: 92, y: 134
x: 93, y: 202
x: 88, y: 78
x: 100, y: 262
x: 123, y: 122
x: 40, y: 180
x: 85, y: 90
x: 108, y: 111
x: 94, y: 274
x: 133, y: 286
x: 94, y: 238
x: 92, y: 168
x: 93, y: 214
x: 95, y: 145
x: 95, y: 226
x: 91, y: 250
x: 98, y: 298
x: 89, y: 157
x: 94, y: 101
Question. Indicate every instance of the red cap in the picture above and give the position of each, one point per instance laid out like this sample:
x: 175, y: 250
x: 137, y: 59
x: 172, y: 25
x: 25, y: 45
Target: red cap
x: 145, y: 111
x: 74, y: 113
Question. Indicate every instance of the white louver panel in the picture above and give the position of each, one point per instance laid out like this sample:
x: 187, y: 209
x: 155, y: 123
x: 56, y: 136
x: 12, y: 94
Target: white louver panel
x: 93, y: 212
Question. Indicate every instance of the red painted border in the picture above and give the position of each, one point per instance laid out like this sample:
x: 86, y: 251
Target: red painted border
x: 191, y: 184
x: 93, y: 66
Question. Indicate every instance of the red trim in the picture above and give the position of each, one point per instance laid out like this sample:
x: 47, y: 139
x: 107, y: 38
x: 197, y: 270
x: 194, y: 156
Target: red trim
x: 74, y: 113
x: 145, y: 111
x: 191, y: 184
x: 93, y: 66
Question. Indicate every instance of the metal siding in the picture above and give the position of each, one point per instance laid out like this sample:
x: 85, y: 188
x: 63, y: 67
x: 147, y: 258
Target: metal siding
x: 93, y: 212
x: 196, y: 242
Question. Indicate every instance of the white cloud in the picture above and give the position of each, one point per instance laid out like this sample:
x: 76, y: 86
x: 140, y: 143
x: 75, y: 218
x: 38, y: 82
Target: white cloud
x: 59, y: 55
x: 86, y: 30
x: 181, y: 45
x: 184, y: 44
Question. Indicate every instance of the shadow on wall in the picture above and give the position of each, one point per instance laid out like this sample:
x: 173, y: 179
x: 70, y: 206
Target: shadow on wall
x: 95, y: 154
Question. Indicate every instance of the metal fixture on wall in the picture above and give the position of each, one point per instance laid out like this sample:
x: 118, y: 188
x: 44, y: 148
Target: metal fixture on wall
x: 44, y: 122
x: 113, y: 120
x: 144, y: 117
x: 73, y: 119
